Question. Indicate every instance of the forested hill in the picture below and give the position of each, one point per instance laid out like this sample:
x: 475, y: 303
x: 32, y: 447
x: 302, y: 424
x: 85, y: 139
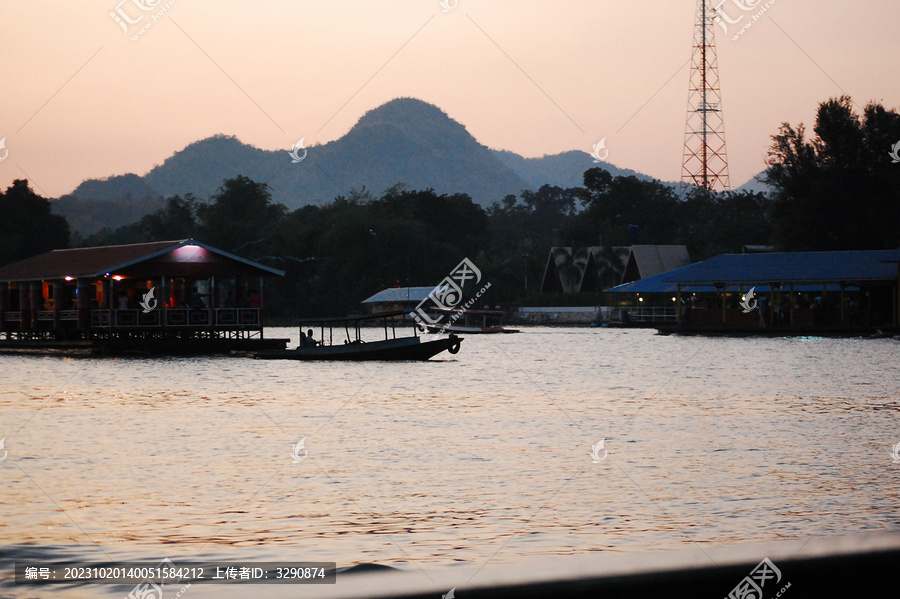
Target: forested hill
x: 403, y: 141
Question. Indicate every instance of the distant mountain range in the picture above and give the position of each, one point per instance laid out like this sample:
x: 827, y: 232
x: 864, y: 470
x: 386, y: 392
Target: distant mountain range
x: 403, y: 141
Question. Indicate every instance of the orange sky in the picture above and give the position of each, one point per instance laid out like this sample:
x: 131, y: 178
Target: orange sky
x: 81, y: 99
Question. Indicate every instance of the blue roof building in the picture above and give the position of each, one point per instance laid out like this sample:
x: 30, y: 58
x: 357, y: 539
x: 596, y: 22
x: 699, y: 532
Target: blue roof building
x: 839, y: 288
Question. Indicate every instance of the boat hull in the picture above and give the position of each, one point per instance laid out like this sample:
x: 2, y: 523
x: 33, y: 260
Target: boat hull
x: 471, y: 330
x: 403, y: 349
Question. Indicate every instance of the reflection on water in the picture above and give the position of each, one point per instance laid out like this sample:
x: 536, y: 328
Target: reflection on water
x: 432, y: 464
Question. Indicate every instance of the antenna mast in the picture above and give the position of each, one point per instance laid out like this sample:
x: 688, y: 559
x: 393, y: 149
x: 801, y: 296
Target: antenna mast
x: 705, y: 162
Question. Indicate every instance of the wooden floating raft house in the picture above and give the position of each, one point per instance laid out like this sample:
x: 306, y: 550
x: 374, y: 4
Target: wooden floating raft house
x: 98, y: 300
x: 835, y: 293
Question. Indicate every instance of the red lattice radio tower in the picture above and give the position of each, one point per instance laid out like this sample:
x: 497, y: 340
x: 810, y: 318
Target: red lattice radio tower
x: 705, y: 161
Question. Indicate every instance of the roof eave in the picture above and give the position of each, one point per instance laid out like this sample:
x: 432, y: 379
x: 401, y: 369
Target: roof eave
x: 250, y: 263
x: 782, y: 281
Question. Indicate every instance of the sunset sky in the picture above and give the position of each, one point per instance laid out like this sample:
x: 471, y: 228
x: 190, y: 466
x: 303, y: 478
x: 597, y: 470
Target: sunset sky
x: 81, y: 99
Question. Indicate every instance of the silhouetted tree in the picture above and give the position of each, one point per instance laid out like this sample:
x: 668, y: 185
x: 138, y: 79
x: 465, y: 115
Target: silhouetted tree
x: 338, y: 254
x: 454, y: 220
x: 840, y: 190
x: 723, y: 222
x: 614, y: 204
x: 27, y: 227
x: 240, y: 216
x: 177, y: 220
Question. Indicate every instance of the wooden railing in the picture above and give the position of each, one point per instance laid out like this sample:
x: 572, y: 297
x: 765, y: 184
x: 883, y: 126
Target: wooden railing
x: 176, y: 317
x: 637, y: 314
x: 642, y: 314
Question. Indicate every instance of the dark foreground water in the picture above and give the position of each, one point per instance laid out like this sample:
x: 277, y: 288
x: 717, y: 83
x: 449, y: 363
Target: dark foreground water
x: 482, y: 457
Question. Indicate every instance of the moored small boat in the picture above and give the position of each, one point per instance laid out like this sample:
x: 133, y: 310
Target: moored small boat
x: 474, y: 322
x: 354, y: 348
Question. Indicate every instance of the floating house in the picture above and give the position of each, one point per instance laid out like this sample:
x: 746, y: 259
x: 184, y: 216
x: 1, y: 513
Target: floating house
x: 792, y: 292
x: 162, y: 297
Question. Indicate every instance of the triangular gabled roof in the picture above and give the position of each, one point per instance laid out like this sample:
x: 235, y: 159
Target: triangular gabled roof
x: 98, y: 261
x: 650, y: 260
x: 594, y: 268
x: 552, y: 282
x: 605, y: 267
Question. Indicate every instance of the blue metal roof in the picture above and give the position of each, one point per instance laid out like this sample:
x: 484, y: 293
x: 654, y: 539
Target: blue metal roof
x: 656, y: 284
x: 791, y: 267
x: 807, y: 270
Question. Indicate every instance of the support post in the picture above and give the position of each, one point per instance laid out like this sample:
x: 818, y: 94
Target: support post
x: 724, y: 303
x: 59, y: 287
x: 678, y: 307
x: 37, y: 294
x: 24, y: 306
x: 240, y: 292
x: 261, y: 304
x: 896, y: 294
x: 4, y: 304
x: 791, y: 305
x: 83, y: 304
x: 842, y: 303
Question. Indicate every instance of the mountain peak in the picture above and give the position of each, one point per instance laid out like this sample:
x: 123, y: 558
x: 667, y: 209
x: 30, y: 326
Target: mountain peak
x: 412, y: 114
x: 401, y: 109
x: 404, y: 140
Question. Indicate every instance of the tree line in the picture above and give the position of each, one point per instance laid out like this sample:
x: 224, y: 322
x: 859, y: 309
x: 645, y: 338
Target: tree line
x: 838, y: 190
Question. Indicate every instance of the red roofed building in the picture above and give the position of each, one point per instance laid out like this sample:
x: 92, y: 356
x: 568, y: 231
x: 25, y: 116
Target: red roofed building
x: 161, y: 296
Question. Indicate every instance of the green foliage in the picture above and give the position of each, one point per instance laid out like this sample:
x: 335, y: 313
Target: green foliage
x: 614, y: 204
x: 839, y: 190
x: 719, y: 223
x: 240, y: 215
x: 338, y: 254
x: 27, y: 227
x: 178, y: 220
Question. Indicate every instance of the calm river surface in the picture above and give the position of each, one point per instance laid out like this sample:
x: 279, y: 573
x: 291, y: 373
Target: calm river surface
x: 482, y: 456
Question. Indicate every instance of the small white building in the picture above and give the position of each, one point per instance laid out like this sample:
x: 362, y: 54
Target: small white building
x: 396, y: 298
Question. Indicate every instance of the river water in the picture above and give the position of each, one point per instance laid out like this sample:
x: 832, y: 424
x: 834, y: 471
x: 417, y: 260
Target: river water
x: 480, y: 457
